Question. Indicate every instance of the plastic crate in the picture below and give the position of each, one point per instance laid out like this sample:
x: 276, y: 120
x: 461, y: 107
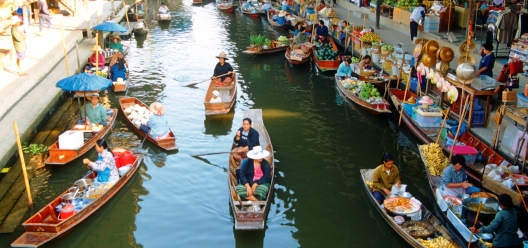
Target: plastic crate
x: 522, y: 101
x: 429, y: 119
x: 483, y: 82
x: 468, y: 152
x: 477, y: 118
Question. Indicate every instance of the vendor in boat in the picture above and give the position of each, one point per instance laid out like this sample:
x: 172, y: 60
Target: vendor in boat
x: 385, y: 176
x: 138, y: 6
x: 266, y: 6
x: 222, y: 72
x: 297, y: 28
x: 321, y: 32
x: 342, y: 34
x: 97, y: 59
x: 159, y: 126
x: 115, y: 44
x: 366, y: 63
x: 454, y: 178
x: 254, y: 175
x: 118, y: 70
x: 344, y: 69
x: 105, y: 165
x: 301, y: 37
x: 245, y: 139
x: 504, y: 225
x: 95, y: 112
x: 163, y: 9
x: 215, y: 97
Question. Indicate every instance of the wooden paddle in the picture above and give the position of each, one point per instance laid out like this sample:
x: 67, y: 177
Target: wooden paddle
x: 407, y: 85
x: 139, y: 149
x: 193, y: 84
x: 443, y: 123
x: 211, y: 153
x: 474, y: 224
x: 518, y: 190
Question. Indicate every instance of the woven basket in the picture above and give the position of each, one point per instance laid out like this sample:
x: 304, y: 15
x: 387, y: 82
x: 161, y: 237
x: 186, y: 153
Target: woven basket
x: 366, y: 73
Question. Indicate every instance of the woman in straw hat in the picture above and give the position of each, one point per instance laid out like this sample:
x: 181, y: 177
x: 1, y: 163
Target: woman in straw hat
x: 222, y: 71
x: 95, y: 59
x: 115, y: 44
x: 159, y: 126
x: 245, y: 139
x: 254, y: 175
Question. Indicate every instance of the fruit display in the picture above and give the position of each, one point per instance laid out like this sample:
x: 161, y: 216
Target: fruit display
x: 325, y: 51
x: 283, y: 40
x: 390, y: 2
x: 434, y: 158
x: 355, y: 60
x: 387, y: 47
x: 406, y: 4
x: 438, y: 242
x: 368, y: 36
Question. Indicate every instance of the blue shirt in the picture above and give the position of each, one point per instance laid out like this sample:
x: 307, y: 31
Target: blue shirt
x: 344, y: 70
x: 159, y: 125
x: 321, y: 30
x: 281, y: 20
x: 449, y: 175
x: 487, y: 61
x: 118, y: 73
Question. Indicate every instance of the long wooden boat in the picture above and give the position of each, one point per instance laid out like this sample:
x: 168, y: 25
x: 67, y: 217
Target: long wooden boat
x: 46, y: 225
x: 372, y: 108
x: 296, y: 60
x: 226, y: 7
x: 59, y: 156
x: 250, y: 13
x: 168, y: 144
x: 140, y: 30
x: 327, y: 65
x: 197, y: 2
x: 426, y: 216
x: 276, y: 49
x: 163, y: 17
x: 247, y: 219
x: 227, y: 94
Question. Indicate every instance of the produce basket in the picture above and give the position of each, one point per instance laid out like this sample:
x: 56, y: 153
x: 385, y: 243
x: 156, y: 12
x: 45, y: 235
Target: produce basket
x: 419, y: 229
x: 367, y: 73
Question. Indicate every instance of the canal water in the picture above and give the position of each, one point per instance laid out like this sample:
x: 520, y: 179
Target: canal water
x: 321, y: 143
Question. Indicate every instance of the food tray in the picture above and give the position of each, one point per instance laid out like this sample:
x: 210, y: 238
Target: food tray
x: 395, y: 205
x: 419, y: 229
x: 455, y: 201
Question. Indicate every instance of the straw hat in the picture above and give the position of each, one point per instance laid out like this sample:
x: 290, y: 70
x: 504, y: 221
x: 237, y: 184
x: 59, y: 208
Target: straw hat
x: 97, y: 48
x: 417, y: 50
x: 95, y: 95
x: 157, y: 108
x: 216, y: 93
x: 222, y: 55
x: 15, y: 20
x: 442, y: 67
x: 116, y: 36
x: 431, y: 47
x: 464, y: 46
x: 282, y: 13
x: 420, y: 41
x: 446, y: 54
x: 257, y: 153
x: 428, y: 60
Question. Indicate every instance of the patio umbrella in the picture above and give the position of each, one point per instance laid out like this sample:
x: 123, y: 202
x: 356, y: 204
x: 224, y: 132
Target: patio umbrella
x: 109, y: 26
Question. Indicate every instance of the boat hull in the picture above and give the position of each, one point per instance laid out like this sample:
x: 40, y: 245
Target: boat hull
x: 372, y: 108
x: 265, y: 51
x: 296, y: 61
x: 327, y: 65
x: 228, y: 96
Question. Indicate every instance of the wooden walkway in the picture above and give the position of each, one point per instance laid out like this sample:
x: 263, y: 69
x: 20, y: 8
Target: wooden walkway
x: 13, y: 198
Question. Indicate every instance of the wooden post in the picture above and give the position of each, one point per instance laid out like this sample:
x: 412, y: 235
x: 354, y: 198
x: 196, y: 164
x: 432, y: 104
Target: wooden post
x: 78, y: 59
x: 97, y: 51
x: 126, y: 16
x: 378, y: 12
x: 407, y: 85
x: 23, y: 164
x: 460, y: 121
x: 64, y: 49
x: 443, y: 123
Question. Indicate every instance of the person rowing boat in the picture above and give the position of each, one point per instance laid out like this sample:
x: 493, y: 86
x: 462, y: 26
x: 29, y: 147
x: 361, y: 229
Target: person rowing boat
x: 245, y: 139
x: 222, y: 72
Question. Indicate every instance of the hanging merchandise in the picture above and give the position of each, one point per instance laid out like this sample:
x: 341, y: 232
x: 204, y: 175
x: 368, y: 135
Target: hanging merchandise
x: 503, y: 75
x: 516, y: 66
x: 452, y: 94
x: 507, y: 23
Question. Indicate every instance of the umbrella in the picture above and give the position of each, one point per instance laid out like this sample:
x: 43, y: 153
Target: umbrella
x: 109, y: 26
x: 83, y: 82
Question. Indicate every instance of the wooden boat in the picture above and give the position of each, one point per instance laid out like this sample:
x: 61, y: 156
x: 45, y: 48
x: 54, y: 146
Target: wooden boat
x: 426, y: 216
x: 327, y: 65
x: 196, y: 1
x: 59, y: 156
x: 247, y: 219
x: 227, y: 94
x: 294, y: 60
x: 163, y: 17
x: 46, y: 225
x: 227, y: 7
x: 140, y: 28
x: 372, y: 108
x: 116, y: 87
x: 277, y: 48
x: 168, y: 144
x: 250, y: 13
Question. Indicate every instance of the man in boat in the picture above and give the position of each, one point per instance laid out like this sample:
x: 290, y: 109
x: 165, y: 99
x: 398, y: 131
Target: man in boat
x: 366, y: 63
x: 222, y: 72
x: 115, y: 44
x: 344, y: 69
x: 245, y: 139
x: 254, y: 175
x: 159, y: 126
x: 504, y: 225
x: 266, y: 6
x: 163, y: 9
x: 215, y: 98
x: 281, y: 20
x: 301, y: 37
x: 95, y: 112
x: 321, y: 32
x: 454, y: 178
x: 385, y: 176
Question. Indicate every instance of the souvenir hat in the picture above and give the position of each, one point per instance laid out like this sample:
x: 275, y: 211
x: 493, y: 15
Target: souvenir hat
x: 466, y: 58
x: 428, y: 60
x: 15, y: 19
x: 257, y: 153
x: 282, y: 13
x: 467, y: 46
x: 216, y: 93
x: 157, y: 108
x: 426, y: 100
x: 417, y: 50
x: 97, y: 48
x: 420, y: 41
x: 447, y: 54
x: 116, y: 36
x: 222, y: 55
x: 431, y: 47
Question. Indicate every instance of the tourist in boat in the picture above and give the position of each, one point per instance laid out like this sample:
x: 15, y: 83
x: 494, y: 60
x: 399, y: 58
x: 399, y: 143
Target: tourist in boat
x: 266, y: 6
x: 163, y: 9
x: 301, y: 37
x: 385, y: 176
x: 454, y: 178
x: 321, y: 32
x: 254, y: 175
x: 504, y: 225
x: 115, y: 44
x: 344, y: 69
x: 221, y: 68
x: 215, y: 98
x: 97, y: 59
x: 105, y: 165
x: 118, y: 70
x: 95, y: 112
x: 159, y: 126
x: 487, y: 61
x: 366, y: 63
x: 245, y: 139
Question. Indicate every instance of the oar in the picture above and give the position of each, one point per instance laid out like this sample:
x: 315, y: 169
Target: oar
x: 518, y: 190
x: 407, y: 85
x: 474, y: 224
x: 139, y: 149
x: 211, y: 153
x: 460, y: 121
x: 193, y: 84
x: 442, y: 127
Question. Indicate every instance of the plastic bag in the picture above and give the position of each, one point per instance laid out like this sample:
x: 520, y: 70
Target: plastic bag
x: 508, y: 183
x: 514, y: 169
x: 489, y: 167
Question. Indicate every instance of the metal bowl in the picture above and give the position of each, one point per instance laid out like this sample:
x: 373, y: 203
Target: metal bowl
x: 485, y: 236
x: 406, y: 195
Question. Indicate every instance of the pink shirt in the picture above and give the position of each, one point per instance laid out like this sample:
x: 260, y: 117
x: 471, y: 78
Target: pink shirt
x: 257, y: 173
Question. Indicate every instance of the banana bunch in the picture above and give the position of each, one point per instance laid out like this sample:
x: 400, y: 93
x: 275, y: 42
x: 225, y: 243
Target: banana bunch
x: 369, y: 184
x: 434, y: 158
x: 370, y: 37
x: 438, y: 242
x: 487, y: 244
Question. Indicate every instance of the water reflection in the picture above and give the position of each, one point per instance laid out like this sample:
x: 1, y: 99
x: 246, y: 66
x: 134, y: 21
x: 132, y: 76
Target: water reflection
x: 219, y: 124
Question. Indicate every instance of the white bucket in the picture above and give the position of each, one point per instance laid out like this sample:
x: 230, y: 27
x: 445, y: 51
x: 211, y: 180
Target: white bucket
x: 395, y: 70
x: 364, y: 51
x: 375, y: 57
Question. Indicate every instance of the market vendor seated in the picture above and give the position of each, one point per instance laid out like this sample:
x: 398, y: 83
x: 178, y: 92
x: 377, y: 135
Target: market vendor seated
x: 97, y: 59
x: 222, y: 72
x: 115, y: 43
x: 266, y: 6
x: 454, y: 178
x: 342, y: 34
x: 95, y: 112
x: 245, y: 139
x: 254, y: 175
x: 366, y: 63
x: 301, y: 37
x: 385, y: 176
x: 321, y: 32
x: 344, y: 70
x: 158, y: 124
x: 105, y: 165
x: 118, y: 70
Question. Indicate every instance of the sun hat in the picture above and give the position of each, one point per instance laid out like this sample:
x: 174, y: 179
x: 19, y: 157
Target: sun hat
x: 157, y: 108
x: 257, y: 153
x: 216, y: 93
x: 426, y: 100
x: 282, y: 13
x: 97, y: 48
x: 15, y: 19
x: 116, y: 36
x: 222, y: 55
x: 120, y: 81
x: 95, y: 95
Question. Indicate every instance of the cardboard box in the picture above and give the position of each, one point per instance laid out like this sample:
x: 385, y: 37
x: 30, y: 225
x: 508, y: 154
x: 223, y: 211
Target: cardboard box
x: 71, y: 140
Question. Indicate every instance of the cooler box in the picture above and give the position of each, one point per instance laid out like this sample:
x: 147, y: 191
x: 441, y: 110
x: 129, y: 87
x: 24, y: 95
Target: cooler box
x: 429, y: 119
x: 71, y: 140
x: 469, y: 153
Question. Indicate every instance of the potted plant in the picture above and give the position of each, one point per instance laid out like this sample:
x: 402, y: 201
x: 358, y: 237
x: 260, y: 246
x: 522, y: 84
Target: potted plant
x: 37, y: 154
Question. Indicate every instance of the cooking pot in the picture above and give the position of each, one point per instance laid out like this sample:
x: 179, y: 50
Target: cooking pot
x: 84, y: 183
x: 487, y: 212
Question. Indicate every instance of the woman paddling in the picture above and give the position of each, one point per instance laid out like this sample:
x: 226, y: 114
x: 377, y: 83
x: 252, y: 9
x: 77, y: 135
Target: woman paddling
x: 222, y: 72
x: 105, y: 165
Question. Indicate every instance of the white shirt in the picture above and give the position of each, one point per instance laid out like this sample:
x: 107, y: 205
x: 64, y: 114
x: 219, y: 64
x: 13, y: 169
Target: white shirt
x: 416, y: 14
x: 163, y: 10
x: 215, y: 100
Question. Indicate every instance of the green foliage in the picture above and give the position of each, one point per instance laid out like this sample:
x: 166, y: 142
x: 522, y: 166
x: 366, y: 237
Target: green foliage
x: 34, y: 149
x: 257, y: 40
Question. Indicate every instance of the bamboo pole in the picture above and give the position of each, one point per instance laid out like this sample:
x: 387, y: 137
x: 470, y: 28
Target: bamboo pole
x: 443, y: 123
x: 126, y: 16
x: 23, y: 164
x: 78, y: 59
x: 64, y: 49
x: 405, y: 96
x: 518, y: 190
x: 460, y: 121
x: 97, y: 51
x: 474, y: 224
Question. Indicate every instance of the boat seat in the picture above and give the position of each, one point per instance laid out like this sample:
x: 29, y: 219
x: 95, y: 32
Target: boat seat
x: 225, y: 88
